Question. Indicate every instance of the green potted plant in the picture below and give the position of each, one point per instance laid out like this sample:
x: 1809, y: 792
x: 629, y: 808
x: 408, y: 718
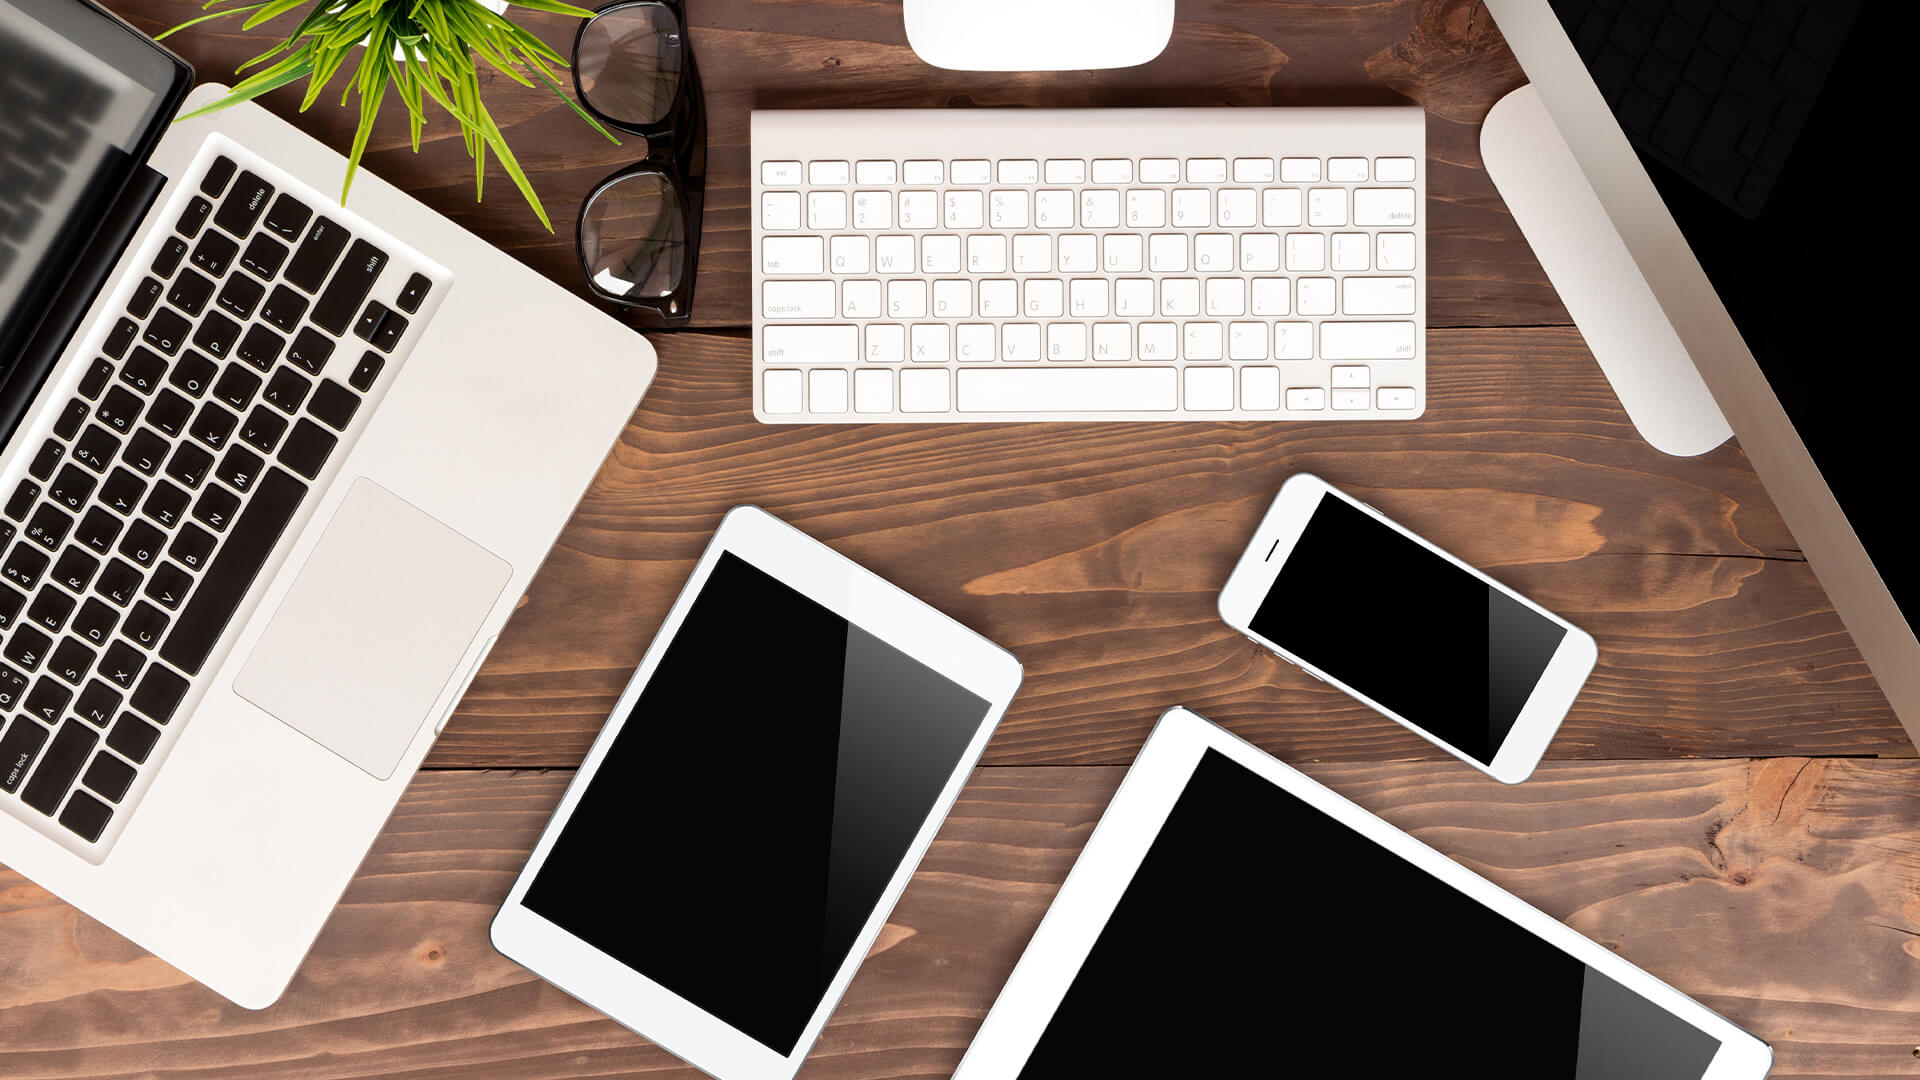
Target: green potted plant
x: 421, y: 49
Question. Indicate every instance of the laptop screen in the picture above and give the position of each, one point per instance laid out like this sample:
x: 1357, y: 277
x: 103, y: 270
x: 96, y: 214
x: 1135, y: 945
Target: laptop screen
x: 1764, y: 129
x: 81, y: 102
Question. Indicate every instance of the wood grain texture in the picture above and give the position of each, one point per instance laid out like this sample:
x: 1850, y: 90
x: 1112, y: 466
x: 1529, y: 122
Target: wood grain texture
x: 1095, y: 553
x: 1779, y: 893
x: 783, y: 54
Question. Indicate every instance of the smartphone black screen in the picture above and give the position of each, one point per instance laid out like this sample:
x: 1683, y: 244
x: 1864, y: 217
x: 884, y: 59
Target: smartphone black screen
x: 1407, y: 628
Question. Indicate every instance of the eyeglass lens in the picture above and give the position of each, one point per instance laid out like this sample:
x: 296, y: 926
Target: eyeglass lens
x: 630, y: 62
x: 633, y: 237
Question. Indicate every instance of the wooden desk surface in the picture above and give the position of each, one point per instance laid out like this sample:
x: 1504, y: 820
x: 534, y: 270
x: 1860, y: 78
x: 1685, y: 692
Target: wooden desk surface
x: 1705, y: 811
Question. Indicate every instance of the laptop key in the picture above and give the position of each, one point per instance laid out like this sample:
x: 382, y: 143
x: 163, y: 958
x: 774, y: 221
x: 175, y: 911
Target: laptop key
x: 212, y: 424
x: 96, y: 448
x: 191, y: 546
x: 309, y: 266
x: 350, y: 285
x: 189, y: 464
x: 159, y: 694
x: 262, y: 429
x: 27, y: 647
x: 264, y: 256
x: 98, y: 530
x: 310, y: 349
x: 13, y: 687
x: 108, y: 776
x: 168, y: 260
x: 24, y: 566
x: 75, y: 569
x: 217, y: 334
x: 95, y: 624
x: 71, y: 418
x: 122, y: 491
x: 333, y: 404
x: 24, y: 495
x: 118, y: 582
x: 48, y: 526
x: 238, y: 468
x: 131, y: 738
x: 144, y: 297
x: 168, y: 586
x: 59, y: 764
x: 119, y: 410
x: 50, y: 609
x: 234, y: 567
x: 221, y: 171
x: 97, y: 376
x: 143, y: 370
x: 190, y: 292
x: 71, y: 661
x: 167, y: 331
x: 216, y: 506
x: 286, y: 390
x: 142, y: 543
x: 47, y: 459
x: 413, y: 294
x: 237, y: 386
x: 214, y: 254
x: 122, y: 664
x: 244, y: 204
x: 144, y: 625
x: 284, y: 309
x: 71, y: 488
x: 86, y: 816
x: 286, y: 217
x: 166, y: 504
x: 169, y: 412
x: 306, y: 450
x: 194, y: 216
x: 261, y: 347
x: 192, y: 374
x: 240, y: 295
x: 18, y: 749
x: 47, y: 700
x: 11, y: 601
x: 366, y: 371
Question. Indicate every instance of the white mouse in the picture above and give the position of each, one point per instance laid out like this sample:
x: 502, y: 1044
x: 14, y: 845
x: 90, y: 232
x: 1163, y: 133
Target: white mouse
x: 1038, y: 35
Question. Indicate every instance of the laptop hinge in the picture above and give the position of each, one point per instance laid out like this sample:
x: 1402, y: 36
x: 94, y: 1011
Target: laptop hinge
x: 71, y: 305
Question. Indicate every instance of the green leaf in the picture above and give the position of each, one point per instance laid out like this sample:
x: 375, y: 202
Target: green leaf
x: 253, y: 88
x: 584, y: 115
x: 164, y: 34
x: 373, y: 88
x: 272, y: 10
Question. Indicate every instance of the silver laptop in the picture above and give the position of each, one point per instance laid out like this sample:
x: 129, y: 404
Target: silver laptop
x: 1722, y: 143
x: 275, y: 473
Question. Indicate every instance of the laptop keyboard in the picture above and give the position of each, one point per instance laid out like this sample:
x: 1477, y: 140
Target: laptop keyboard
x: 232, y: 378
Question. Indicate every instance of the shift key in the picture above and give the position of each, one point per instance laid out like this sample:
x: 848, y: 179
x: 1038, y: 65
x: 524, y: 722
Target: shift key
x: 335, y: 309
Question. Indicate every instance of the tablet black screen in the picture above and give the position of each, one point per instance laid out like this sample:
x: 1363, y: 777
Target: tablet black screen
x: 1261, y: 937
x: 749, y: 814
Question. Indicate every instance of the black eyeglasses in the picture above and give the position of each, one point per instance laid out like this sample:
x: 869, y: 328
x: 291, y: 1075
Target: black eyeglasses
x: 639, y: 231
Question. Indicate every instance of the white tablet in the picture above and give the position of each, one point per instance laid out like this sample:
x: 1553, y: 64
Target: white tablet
x: 1230, y: 917
x: 765, y: 786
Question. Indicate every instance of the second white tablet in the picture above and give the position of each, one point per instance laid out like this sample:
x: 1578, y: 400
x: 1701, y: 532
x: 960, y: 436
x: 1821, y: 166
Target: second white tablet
x: 756, y: 803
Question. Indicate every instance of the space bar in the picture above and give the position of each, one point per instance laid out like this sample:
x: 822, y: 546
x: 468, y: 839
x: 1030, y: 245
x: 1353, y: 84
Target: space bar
x: 235, y: 565
x: 1092, y: 390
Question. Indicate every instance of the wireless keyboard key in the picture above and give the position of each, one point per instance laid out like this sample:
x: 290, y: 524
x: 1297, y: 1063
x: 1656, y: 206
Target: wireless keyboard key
x: 350, y: 285
x: 168, y: 260
x: 168, y: 587
x: 261, y: 347
x: 192, y: 374
x: 217, y: 334
x: 143, y: 370
x: 166, y: 504
x: 333, y: 404
x: 131, y: 738
x: 86, y: 816
x: 235, y: 565
x: 243, y: 205
x: 284, y: 309
x: 217, y: 176
x: 310, y: 349
x: 96, y: 448
x: 262, y: 429
x: 98, y: 530
x: 264, y: 256
x: 27, y: 647
x: 122, y: 491
x: 144, y: 625
x: 306, y: 450
x: 59, y: 765
x: 324, y: 243
x: 145, y: 451
x: 142, y: 543
x: 169, y: 412
x: 287, y: 217
x: 214, y: 254
x: 366, y: 371
x: 167, y: 331
x: 19, y: 747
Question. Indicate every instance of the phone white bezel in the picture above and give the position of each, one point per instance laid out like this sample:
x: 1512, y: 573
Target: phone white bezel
x: 1128, y: 828
x: 863, y: 599
x: 1273, y: 542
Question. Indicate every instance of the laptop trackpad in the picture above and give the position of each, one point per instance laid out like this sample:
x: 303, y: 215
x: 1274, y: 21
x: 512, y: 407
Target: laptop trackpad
x: 372, y: 629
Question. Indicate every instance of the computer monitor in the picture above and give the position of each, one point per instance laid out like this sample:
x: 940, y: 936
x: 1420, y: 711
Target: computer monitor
x: 1741, y: 152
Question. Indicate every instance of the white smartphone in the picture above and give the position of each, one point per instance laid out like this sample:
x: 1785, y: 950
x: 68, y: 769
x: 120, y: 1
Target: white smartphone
x: 1357, y: 601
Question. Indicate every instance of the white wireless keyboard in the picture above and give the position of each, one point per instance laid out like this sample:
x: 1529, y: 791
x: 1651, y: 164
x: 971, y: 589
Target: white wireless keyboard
x: 1095, y: 264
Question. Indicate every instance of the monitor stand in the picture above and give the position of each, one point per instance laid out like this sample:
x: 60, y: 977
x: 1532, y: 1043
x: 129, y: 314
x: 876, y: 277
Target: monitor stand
x: 1597, y: 279
x: 1038, y: 35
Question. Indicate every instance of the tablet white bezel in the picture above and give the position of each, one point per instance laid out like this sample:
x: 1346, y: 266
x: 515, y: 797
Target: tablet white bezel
x: 863, y: 599
x: 1253, y: 576
x: 1154, y: 783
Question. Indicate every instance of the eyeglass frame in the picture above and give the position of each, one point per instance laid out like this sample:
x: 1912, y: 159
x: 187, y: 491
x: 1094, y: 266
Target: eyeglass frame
x: 678, y: 140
